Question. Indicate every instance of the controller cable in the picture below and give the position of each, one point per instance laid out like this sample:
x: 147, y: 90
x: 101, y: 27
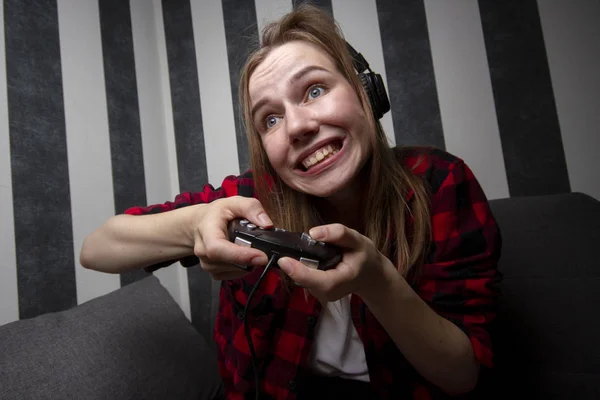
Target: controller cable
x: 272, y: 260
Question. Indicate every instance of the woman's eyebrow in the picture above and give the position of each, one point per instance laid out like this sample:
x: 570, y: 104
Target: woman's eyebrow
x: 291, y: 80
x: 258, y: 105
x: 303, y: 71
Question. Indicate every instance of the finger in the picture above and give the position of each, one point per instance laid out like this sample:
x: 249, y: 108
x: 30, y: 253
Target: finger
x: 308, y: 277
x: 212, y: 267
x: 226, y: 276
x: 251, y: 209
x: 223, y: 251
x: 337, y: 234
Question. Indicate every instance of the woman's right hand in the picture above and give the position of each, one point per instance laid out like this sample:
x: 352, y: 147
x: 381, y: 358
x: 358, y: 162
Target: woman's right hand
x: 212, y: 246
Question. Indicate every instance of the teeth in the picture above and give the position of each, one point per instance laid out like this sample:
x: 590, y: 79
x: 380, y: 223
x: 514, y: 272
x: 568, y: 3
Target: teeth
x: 320, y: 155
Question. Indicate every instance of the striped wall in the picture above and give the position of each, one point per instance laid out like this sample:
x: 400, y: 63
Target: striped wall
x: 107, y: 104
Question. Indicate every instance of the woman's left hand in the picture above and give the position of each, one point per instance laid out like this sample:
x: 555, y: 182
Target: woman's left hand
x: 362, y: 267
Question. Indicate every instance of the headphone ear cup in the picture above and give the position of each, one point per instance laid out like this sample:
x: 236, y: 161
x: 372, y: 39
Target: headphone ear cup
x: 383, y: 101
x: 373, y: 84
x: 365, y: 79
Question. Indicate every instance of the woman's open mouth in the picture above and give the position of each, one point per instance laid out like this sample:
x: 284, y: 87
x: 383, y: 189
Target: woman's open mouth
x: 321, y: 155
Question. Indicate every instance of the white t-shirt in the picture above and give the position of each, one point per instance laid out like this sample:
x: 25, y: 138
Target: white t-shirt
x: 337, y: 349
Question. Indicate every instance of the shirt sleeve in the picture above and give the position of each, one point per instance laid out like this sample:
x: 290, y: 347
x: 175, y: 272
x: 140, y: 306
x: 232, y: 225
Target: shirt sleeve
x: 459, y: 278
x: 231, y: 186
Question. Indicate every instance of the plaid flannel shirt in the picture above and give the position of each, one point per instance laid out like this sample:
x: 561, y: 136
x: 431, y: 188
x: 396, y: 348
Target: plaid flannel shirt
x: 458, y: 281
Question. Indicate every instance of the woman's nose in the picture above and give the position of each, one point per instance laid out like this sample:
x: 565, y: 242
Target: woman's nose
x: 300, y: 122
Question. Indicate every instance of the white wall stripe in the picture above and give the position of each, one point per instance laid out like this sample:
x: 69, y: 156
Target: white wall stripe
x: 88, y: 146
x: 9, y: 301
x: 213, y: 69
x: 571, y: 33
x: 183, y: 298
x: 465, y: 91
x: 152, y: 120
x: 360, y: 26
x: 217, y: 114
x: 269, y: 10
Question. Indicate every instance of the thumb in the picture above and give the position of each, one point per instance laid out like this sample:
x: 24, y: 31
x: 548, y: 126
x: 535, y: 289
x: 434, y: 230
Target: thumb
x: 287, y: 265
x: 298, y: 272
x: 336, y: 234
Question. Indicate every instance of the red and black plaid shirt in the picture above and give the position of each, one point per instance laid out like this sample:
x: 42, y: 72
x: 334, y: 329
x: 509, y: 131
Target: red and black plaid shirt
x: 457, y: 281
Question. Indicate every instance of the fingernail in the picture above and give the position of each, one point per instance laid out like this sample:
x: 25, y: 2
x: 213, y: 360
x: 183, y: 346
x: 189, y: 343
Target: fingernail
x: 259, y: 261
x: 264, y: 219
x: 284, y: 264
x: 317, y: 233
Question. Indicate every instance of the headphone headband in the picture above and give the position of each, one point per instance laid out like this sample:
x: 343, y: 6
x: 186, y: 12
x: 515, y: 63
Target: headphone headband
x: 360, y: 63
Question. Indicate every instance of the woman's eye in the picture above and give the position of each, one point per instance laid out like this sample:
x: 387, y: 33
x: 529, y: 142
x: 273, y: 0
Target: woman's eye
x: 315, y: 92
x: 270, y: 121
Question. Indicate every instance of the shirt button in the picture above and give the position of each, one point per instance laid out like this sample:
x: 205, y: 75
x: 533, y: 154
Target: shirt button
x: 293, y: 385
x: 240, y: 314
x: 311, y: 320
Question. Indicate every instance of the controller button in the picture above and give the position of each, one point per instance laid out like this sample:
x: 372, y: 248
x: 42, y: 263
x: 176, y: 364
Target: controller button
x: 307, y: 237
x: 279, y: 230
x: 242, y: 242
x: 251, y: 226
x: 321, y: 244
x: 244, y: 222
x: 310, y: 263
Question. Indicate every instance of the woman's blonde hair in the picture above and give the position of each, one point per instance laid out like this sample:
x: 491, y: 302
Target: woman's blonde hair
x: 400, y: 232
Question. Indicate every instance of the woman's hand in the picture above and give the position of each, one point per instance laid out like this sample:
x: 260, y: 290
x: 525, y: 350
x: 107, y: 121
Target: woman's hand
x: 211, y: 243
x: 362, y: 267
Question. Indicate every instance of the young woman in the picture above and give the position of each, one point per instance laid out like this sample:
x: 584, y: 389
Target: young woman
x: 406, y: 311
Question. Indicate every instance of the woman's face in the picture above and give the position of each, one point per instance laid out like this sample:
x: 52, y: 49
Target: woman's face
x: 311, y: 122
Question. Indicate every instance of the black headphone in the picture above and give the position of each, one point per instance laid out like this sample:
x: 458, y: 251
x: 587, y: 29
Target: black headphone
x: 372, y: 82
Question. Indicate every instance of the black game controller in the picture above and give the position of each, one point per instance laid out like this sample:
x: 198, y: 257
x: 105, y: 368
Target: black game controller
x: 277, y: 241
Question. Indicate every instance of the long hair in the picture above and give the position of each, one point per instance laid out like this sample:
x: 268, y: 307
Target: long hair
x: 387, y: 214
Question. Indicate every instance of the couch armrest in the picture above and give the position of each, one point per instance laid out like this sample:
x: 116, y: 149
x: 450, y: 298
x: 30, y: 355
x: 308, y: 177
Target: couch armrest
x: 133, y: 343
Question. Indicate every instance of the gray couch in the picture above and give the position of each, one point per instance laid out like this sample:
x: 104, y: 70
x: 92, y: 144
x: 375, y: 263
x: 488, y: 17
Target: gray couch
x: 135, y: 343
x: 547, y: 331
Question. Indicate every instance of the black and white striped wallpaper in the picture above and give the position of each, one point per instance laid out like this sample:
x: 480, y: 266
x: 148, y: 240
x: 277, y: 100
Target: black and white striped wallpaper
x: 105, y: 104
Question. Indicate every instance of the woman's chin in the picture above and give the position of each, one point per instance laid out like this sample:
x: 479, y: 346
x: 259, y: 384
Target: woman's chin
x: 325, y: 189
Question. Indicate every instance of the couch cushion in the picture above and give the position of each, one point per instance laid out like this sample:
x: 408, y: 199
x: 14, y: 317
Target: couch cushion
x: 545, y: 336
x: 133, y: 343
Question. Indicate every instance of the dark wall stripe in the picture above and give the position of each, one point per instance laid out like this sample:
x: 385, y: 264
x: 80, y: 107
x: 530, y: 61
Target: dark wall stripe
x: 324, y: 4
x: 410, y: 76
x: 241, y: 35
x: 189, y: 135
x: 123, y: 111
x: 527, y: 118
x: 39, y: 166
